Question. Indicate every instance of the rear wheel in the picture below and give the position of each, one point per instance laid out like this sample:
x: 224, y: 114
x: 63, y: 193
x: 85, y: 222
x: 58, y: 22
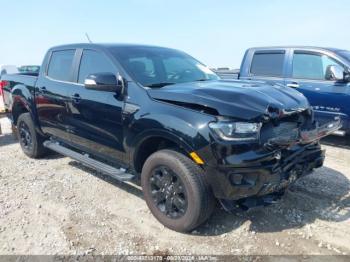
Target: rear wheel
x: 176, y: 191
x: 31, y: 142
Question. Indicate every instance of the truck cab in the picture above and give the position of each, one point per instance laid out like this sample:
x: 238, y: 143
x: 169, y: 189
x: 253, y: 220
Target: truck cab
x: 321, y: 74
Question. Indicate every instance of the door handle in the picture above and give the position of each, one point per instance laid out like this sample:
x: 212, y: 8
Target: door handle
x: 293, y: 85
x: 42, y: 88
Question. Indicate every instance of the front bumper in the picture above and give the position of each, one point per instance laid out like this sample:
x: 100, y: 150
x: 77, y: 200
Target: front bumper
x: 297, y: 136
x: 269, y: 168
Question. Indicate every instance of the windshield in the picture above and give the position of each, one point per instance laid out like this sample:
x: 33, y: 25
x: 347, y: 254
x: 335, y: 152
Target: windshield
x: 157, y: 67
x: 345, y: 54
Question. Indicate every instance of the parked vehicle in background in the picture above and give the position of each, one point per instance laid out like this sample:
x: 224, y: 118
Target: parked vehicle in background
x: 321, y: 74
x: 157, y: 114
x: 227, y: 73
x: 2, y: 102
x: 6, y: 88
x: 29, y: 69
x: 8, y: 69
x: 5, y: 96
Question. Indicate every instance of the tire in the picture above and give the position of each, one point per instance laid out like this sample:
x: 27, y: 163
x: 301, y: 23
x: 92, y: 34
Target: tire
x: 31, y: 142
x: 181, y: 181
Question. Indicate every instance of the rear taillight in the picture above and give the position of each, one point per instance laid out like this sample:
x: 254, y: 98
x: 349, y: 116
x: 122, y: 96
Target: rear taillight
x: 3, y: 83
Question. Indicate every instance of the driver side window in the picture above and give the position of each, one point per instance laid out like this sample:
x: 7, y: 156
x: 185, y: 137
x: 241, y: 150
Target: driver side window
x: 312, y: 66
x: 93, y: 62
x: 327, y: 61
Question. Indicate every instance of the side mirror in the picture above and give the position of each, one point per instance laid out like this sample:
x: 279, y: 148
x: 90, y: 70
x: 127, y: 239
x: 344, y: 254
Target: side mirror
x: 335, y: 73
x: 104, y: 82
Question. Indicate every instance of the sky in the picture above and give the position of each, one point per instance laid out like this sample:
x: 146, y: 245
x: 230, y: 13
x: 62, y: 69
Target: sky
x: 215, y: 32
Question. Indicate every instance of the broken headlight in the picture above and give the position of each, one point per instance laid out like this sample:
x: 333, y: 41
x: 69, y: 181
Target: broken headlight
x: 236, y: 131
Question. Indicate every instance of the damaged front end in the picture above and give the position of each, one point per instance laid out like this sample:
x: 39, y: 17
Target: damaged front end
x: 306, y: 136
x: 288, y: 148
x: 261, y: 137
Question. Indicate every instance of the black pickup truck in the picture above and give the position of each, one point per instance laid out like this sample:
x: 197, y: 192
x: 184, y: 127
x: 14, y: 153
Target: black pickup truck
x: 158, y: 115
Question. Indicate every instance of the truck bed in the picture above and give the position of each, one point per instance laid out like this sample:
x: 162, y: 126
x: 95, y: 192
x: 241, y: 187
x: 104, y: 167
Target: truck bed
x: 11, y: 80
x: 22, y: 78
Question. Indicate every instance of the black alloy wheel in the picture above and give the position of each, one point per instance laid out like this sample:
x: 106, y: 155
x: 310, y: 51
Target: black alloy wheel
x: 176, y: 190
x: 25, y: 137
x: 168, y: 192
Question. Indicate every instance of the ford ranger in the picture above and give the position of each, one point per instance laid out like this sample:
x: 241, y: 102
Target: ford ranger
x: 159, y: 115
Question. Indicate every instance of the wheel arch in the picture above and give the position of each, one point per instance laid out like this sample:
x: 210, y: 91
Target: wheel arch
x: 154, y: 141
x: 19, y: 107
x: 23, y: 101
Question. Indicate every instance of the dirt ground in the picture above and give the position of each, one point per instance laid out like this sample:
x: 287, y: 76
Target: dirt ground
x: 57, y: 206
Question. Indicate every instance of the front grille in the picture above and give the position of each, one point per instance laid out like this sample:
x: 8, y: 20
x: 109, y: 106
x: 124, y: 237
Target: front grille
x: 285, y: 126
x: 270, y: 130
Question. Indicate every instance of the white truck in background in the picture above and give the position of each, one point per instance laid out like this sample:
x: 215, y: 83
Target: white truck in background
x: 5, y: 69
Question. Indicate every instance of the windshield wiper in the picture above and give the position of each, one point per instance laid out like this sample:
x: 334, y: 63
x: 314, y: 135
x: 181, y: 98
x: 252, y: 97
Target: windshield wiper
x: 160, y: 84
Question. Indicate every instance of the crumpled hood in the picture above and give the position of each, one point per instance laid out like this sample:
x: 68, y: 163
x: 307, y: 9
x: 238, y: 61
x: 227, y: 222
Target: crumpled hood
x: 238, y: 99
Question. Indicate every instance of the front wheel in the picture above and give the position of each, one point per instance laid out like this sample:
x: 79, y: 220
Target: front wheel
x: 175, y: 190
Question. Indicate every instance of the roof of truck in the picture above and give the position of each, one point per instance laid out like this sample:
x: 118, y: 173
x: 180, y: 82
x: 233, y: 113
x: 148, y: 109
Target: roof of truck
x: 101, y: 45
x: 301, y: 47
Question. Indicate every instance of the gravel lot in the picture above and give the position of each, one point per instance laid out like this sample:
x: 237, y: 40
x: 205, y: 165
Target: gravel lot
x: 57, y: 206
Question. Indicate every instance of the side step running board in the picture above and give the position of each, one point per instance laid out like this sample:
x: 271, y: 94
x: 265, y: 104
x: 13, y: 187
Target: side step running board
x: 118, y: 174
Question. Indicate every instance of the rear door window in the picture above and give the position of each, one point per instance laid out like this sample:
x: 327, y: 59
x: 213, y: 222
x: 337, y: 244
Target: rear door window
x: 268, y: 64
x: 60, y: 66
